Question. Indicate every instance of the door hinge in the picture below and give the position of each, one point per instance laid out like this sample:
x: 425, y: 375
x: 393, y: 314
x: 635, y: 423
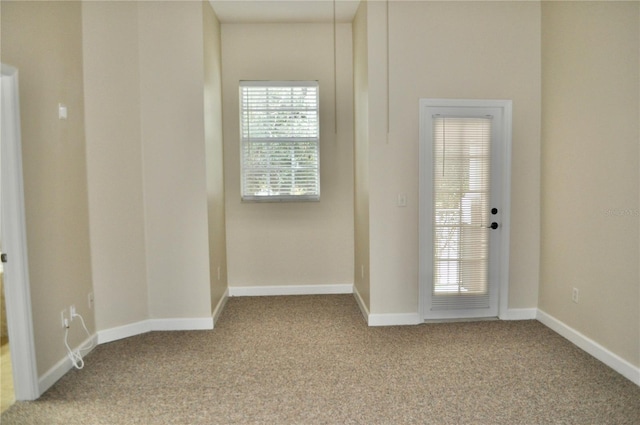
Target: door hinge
x: 3, y: 257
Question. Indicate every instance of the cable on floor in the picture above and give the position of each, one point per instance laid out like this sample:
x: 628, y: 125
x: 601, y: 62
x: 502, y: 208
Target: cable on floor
x: 76, y: 356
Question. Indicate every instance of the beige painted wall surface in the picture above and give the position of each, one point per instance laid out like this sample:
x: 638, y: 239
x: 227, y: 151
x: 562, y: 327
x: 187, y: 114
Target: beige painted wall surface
x: 291, y: 243
x: 173, y: 149
x: 44, y: 41
x: 361, y: 153
x: 465, y: 50
x: 590, y: 219
x: 214, y: 154
x: 114, y: 162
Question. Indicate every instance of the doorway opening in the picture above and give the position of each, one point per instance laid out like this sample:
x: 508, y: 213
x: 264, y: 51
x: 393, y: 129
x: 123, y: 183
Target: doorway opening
x: 7, y: 395
x: 14, y: 246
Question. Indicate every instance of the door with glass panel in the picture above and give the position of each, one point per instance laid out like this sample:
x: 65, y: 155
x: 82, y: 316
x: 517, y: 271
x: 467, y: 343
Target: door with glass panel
x: 463, y: 210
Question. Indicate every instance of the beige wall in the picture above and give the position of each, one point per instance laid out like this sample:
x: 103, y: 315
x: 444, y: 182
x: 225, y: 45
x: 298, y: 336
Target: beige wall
x: 214, y: 154
x: 291, y: 243
x: 590, y: 163
x: 174, y: 173
x: 157, y: 232
x: 114, y: 162
x: 468, y: 50
x: 361, y: 154
x: 144, y: 65
x: 44, y: 41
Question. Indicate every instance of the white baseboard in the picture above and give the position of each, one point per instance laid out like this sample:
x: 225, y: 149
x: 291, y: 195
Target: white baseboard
x: 144, y: 326
x: 259, y: 291
x: 52, y: 376
x: 218, y: 310
x: 520, y: 314
x: 125, y: 331
x: 363, y: 308
x: 612, y: 360
x: 394, y: 319
x: 182, y: 324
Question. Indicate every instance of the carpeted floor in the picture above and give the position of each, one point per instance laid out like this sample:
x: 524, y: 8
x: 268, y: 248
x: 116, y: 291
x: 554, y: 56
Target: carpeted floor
x: 313, y: 360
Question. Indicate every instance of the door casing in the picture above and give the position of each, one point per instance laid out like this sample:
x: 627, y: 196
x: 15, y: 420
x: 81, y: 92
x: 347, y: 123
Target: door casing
x: 425, y: 225
x: 14, y: 243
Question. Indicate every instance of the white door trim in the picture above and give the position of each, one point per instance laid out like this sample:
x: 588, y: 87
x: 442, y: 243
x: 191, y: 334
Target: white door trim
x: 425, y: 181
x: 16, y: 270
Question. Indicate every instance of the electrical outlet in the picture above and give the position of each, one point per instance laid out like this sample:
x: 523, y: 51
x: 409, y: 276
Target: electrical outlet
x: 63, y: 318
x: 575, y: 295
x: 90, y: 300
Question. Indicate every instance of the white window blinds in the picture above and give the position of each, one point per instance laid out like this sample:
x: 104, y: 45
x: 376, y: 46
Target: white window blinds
x: 461, y: 178
x: 280, y: 140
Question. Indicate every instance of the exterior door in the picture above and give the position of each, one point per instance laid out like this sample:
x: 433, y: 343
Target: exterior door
x: 464, y: 213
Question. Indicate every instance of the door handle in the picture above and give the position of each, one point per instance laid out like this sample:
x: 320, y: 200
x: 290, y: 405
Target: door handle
x: 493, y: 226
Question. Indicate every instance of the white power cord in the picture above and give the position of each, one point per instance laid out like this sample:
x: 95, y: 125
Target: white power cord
x: 76, y: 356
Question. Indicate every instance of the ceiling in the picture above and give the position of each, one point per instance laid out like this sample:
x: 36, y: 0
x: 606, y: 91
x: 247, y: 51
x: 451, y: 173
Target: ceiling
x: 284, y: 11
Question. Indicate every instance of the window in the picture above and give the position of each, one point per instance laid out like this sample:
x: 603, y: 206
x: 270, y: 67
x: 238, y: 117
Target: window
x: 280, y: 140
x: 461, y: 192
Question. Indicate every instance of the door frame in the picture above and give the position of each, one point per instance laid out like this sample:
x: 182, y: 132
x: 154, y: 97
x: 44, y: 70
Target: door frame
x: 425, y: 225
x: 14, y: 243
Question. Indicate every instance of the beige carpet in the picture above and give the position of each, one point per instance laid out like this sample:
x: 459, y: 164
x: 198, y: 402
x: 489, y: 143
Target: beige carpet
x: 313, y: 360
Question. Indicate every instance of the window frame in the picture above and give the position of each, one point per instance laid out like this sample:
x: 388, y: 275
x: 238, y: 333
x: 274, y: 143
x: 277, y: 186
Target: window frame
x: 246, y: 141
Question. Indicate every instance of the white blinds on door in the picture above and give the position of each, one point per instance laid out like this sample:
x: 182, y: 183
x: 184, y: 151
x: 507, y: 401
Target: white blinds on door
x: 461, y: 179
